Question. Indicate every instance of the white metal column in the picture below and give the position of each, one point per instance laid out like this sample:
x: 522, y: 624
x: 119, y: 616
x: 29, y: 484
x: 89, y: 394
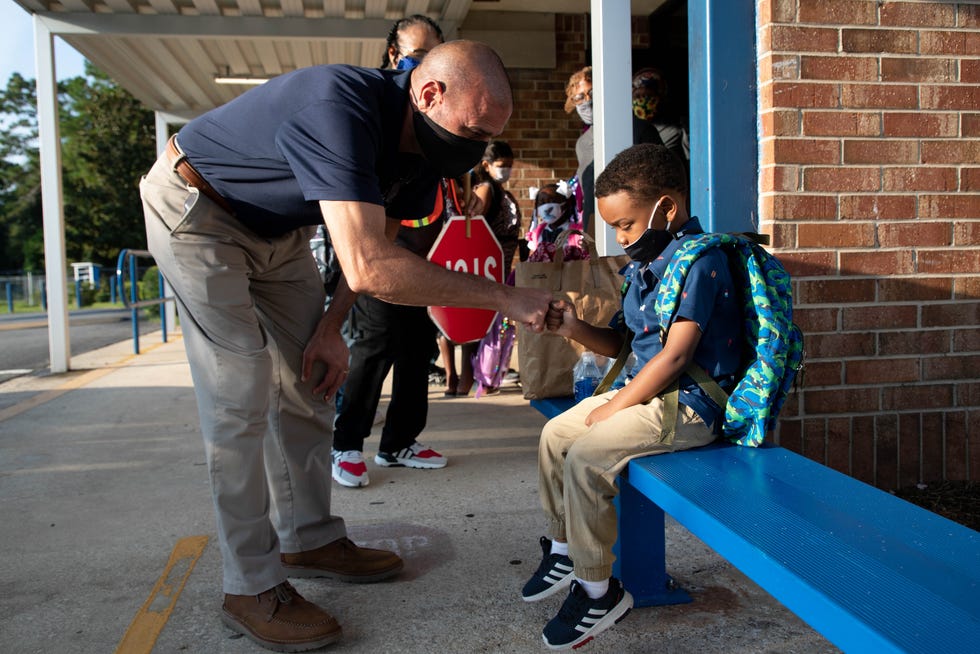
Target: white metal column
x: 162, y: 134
x: 52, y: 201
x: 611, y: 96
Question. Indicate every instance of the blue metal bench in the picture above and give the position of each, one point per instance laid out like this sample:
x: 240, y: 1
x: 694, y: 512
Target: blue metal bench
x: 869, y: 571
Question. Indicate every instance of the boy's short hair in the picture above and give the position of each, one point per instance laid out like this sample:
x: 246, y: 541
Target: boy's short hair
x: 643, y: 171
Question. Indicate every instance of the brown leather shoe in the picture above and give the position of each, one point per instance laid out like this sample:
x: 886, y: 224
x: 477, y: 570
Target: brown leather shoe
x: 280, y: 619
x: 344, y: 561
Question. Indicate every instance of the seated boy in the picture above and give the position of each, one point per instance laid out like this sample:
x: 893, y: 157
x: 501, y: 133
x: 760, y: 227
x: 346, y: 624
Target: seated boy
x: 641, y: 194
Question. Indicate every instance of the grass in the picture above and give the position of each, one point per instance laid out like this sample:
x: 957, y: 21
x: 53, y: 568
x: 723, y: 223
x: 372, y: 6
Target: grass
x: 21, y: 307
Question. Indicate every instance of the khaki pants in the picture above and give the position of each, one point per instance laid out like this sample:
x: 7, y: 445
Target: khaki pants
x: 247, y: 307
x: 578, y: 466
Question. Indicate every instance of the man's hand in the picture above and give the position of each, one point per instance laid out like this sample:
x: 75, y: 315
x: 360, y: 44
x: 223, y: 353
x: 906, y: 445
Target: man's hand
x: 326, y: 347
x: 528, y: 306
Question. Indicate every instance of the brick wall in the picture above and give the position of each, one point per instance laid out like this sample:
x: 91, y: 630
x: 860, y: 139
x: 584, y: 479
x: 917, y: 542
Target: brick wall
x: 540, y: 132
x: 870, y: 186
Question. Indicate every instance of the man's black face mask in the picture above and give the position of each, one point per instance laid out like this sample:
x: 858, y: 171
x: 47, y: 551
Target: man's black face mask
x: 448, y: 153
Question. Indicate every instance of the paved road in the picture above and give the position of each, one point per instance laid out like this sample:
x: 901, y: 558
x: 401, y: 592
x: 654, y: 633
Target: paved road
x: 24, y: 338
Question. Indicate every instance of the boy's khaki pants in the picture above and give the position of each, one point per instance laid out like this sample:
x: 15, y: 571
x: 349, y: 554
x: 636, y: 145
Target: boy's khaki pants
x: 578, y: 466
x: 248, y: 306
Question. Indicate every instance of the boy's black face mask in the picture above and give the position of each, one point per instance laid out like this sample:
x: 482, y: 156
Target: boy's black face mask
x: 448, y: 153
x: 651, y: 242
x: 649, y: 246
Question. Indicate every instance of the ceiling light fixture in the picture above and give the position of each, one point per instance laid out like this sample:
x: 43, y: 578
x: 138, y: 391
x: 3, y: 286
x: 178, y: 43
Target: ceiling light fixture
x: 245, y: 80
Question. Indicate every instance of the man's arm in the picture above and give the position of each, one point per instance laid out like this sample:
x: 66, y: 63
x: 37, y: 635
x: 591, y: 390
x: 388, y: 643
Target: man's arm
x: 375, y: 266
x: 327, y: 344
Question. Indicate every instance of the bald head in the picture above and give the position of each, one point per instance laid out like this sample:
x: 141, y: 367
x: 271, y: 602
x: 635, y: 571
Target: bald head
x: 466, y: 78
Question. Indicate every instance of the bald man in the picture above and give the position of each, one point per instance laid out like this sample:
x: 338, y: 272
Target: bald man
x: 230, y: 208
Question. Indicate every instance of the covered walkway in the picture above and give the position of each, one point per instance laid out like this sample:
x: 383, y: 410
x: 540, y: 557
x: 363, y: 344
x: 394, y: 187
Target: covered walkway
x: 103, y: 479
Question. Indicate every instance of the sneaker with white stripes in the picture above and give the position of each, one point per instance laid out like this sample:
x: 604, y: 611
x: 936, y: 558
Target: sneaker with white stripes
x: 349, y: 468
x: 581, y: 618
x: 415, y: 455
x: 554, y: 574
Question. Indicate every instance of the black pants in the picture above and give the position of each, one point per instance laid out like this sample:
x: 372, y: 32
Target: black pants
x: 385, y: 335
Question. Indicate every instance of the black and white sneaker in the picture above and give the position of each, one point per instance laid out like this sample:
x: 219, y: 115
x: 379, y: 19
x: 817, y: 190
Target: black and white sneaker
x: 581, y: 618
x: 415, y: 455
x: 554, y: 574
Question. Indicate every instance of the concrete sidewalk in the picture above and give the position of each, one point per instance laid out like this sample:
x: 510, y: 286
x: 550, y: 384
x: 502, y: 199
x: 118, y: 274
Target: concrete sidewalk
x: 102, y: 474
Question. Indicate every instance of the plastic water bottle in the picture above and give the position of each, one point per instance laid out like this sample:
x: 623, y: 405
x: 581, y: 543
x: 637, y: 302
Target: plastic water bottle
x: 586, y: 375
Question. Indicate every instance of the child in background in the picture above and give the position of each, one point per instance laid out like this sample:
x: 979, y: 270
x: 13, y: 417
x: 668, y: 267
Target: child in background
x: 554, y: 213
x: 641, y: 195
x: 499, y: 207
x: 503, y: 216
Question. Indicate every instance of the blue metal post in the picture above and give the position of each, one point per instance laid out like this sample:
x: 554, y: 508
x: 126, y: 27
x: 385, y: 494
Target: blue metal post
x: 44, y: 296
x: 134, y: 297
x: 78, y: 293
x: 724, y: 137
x: 641, y: 550
x: 162, y: 305
x: 10, y: 298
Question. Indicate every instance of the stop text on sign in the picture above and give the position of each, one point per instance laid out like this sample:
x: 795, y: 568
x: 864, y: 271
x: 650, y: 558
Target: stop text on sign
x: 466, y: 246
x: 488, y: 267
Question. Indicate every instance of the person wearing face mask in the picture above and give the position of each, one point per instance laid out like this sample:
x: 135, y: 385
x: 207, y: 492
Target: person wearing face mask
x: 229, y: 209
x: 554, y: 213
x: 641, y: 195
x: 385, y: 336
x: 499, y: 207
x: 652, y: 104
x: 410, y: 39
x: 578, y: 98
x: 503, y: 216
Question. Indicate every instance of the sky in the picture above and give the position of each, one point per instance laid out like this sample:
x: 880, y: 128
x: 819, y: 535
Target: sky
x: 17, y: 49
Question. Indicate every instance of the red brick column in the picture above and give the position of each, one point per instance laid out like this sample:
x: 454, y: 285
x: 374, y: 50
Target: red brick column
x: 870, y: 185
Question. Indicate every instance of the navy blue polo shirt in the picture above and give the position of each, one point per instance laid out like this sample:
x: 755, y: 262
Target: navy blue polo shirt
x: 319, y: 133
x: 710, y: 299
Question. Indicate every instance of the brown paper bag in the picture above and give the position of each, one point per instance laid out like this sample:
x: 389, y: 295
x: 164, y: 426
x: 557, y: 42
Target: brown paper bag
x: 593, y: 286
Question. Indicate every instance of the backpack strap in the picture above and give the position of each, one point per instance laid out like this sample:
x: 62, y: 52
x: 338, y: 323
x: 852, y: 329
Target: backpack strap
x: 708, y: 385
x: 671, y: 399
x: 617, y: 366
x: 668, y: 417
x: 624, y: 352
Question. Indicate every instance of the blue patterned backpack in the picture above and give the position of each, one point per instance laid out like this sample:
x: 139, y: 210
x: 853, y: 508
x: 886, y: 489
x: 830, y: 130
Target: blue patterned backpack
x: 773, y: 343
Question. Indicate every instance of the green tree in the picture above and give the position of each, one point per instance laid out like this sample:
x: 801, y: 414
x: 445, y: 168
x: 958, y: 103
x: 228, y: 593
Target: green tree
x: 21, y: 237
x: 107, y: 140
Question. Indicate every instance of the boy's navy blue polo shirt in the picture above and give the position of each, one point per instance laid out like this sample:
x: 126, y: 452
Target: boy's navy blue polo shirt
x: 710, y: 299
x: 319, y: 133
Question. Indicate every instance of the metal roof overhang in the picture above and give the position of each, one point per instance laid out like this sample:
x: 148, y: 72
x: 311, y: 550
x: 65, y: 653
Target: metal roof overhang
x: 167, y: 53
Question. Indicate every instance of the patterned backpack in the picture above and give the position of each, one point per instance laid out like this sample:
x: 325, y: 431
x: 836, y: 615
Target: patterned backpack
x: 773, y: 343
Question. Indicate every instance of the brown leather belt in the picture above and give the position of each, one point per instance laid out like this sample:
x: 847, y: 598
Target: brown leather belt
x: 180, y: 164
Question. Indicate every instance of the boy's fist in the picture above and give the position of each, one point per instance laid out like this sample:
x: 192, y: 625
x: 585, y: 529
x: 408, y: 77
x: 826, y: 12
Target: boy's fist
x: 560, y: 316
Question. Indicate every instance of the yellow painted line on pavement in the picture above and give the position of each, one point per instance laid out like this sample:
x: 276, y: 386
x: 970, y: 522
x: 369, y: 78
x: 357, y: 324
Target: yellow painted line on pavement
x: 149, y: 621
x: 69, y: 385
x: 22, y: 324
